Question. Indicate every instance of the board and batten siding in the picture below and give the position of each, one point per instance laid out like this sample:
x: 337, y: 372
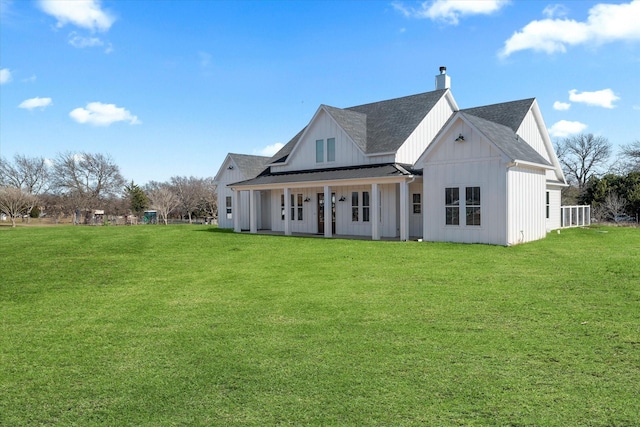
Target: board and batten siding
x: 526, y: 194
x: 530, y: 132
x: 229, y: 176
x: 555, y: 201
x: 472, y: 163
x: 323, y: 127
x: 424, y: 133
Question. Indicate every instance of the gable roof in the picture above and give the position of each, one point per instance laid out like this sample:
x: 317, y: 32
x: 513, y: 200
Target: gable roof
x: 506, y: 140
x: 378, y: 127
x: 510, y: 114
x: 249, y: 165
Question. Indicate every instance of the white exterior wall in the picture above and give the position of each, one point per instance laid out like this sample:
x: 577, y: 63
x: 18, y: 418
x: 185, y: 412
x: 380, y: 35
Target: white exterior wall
x: 555, y: 201
x: 322, y: 127
x: 472, y: 163
x: 422, y: 136
x: 526, y: 205
x: 228, y: 176
x: 530, y: 132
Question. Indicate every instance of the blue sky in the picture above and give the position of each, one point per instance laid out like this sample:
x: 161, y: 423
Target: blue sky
x: 168, y: 88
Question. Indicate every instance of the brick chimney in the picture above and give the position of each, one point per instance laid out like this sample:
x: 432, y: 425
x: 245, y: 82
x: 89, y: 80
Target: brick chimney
x: 442, y: 80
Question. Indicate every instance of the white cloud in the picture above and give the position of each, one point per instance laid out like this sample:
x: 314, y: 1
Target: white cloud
x: 555, y: 10
x: 450, y: 11
x: 606, y: 23
x: 37, y: 102
x: 561, y: 106
x: 269, y: 150
x: 99, y: 114
x: 78, y: 41
x: 601, y: 98
x: 5, y: 76
x: 564, y: 128
x: 82, y: 13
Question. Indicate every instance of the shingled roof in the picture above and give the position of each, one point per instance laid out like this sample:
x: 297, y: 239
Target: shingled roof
x: 506, y: 140
x: 386, y: 170
x: 378, y: 127
x: 510, y: 114
x: 249, y: 165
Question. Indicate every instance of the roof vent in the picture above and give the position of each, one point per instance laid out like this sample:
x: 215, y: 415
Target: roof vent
x: 443, y: 81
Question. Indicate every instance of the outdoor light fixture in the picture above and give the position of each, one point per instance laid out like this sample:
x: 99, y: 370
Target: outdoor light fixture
x: 307, y: 199
x: 230, y: 167
x: 460, y: 138
x: 342, y: 199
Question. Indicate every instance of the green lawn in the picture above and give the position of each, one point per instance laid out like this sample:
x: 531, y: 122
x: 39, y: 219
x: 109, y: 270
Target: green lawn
x: 189, y: 325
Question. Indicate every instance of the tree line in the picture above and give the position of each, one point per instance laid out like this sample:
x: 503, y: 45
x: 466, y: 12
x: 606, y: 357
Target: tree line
x: 610, y: 184
x: 76, y: 185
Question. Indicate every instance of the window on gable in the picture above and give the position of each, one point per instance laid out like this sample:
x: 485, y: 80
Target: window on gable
x: 331, y: 150
x: 355, y: 206
x: 452, y: 205
x: 228, y: 206
x: 417, y: 206
x: 472, y: 205
x: 319, y: 150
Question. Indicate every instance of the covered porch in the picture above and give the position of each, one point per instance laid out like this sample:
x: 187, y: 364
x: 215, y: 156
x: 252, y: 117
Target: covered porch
x: 376, y: 202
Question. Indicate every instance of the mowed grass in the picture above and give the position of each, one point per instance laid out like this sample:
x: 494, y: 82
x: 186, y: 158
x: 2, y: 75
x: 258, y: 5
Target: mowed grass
x: 190, y: 325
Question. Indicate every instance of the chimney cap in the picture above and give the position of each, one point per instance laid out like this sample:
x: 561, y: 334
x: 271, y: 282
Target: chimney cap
x: 443, y: 70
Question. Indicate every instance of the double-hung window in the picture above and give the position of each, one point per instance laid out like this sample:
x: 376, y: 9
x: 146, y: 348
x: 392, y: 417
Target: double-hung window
x: 282, y: 206
x: 452, y: 205
x: 472, y: 205
x: 547, y: 205
x: 228, y: 206
x: 365, y: 206
x: 299, y: 207
x: 471, y: 208
x: 355, y: 206
x: 417, y: 206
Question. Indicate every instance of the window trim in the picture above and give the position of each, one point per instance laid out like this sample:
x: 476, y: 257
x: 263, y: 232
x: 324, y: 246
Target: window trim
x: 319, y: 150
x: 416, y: 204
x: 474, y: 206
x: 229, y: 207
x: 452, y: 205
x: 331, y: 150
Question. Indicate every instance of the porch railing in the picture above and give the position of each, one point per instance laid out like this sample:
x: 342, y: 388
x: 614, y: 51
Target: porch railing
x: 575, y: 216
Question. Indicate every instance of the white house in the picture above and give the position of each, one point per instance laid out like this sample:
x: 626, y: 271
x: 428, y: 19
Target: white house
x: 411, y: 167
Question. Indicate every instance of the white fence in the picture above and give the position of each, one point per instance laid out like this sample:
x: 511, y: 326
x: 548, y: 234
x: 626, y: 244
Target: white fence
x: 575, y: 216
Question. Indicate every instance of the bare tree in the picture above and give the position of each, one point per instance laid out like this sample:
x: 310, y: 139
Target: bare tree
x: 191, y: 192
x: 614, y: 205
x: 583, y: 156
x: 86, y: 178
x: 30, y: 174
x: 15, y: 202
x: 163, y: 200
x: 631, y: 156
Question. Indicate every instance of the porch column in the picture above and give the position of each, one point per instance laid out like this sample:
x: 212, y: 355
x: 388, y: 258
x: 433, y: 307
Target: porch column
x: 404, y: 211
x: 253, y: 217
x: 375, y: 212
x: 328, y: 206
x: 287, y: 211
x: 235, y: 211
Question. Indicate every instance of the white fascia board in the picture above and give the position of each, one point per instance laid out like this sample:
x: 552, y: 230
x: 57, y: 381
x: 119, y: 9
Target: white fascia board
x: 533, y: 165
x: 542, y: 128
x: 449, y: 96
x: 223, y: 167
